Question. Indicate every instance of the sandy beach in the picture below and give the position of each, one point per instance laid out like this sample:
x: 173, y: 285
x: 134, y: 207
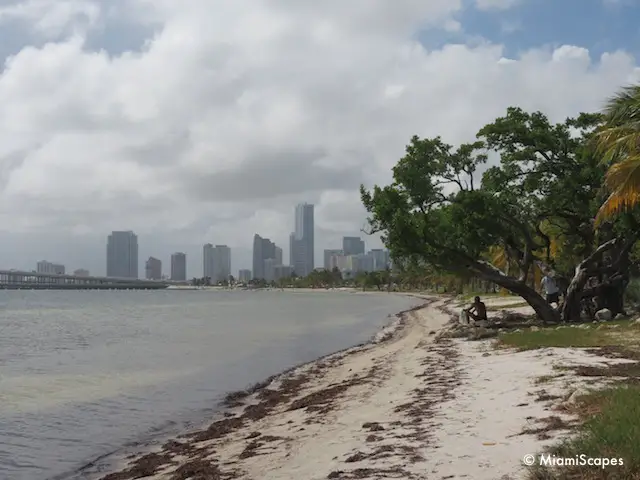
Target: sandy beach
x: 414, y: 404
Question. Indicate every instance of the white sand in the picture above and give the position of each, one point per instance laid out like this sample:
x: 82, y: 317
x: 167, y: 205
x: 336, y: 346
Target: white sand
x: 452, y: 409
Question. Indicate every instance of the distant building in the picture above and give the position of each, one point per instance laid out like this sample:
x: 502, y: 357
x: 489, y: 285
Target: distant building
x: 269, y: 269
x: 52, y: 268
x: 263, y: 249
x: 301, y: 241
x: 179, y: 267
x: 362, y: 263
x: 327, y: 257
x: 153, y: 269
x: 278, y: 255
x: 221, y: 264
x: 122, y: 255
x: 207, y: 260
x: 380, y: 259
x: 244, y: 276
x: 352, y: 246
x: 282, y: 271
x: 81, y: 272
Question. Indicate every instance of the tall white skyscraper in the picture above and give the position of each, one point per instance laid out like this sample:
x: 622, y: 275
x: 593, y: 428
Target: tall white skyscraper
x: 302, y: 240
x: 122, y: 255
x: 216, y: 262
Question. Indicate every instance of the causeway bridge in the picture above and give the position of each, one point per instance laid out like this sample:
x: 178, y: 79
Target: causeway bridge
x: 16, y: 280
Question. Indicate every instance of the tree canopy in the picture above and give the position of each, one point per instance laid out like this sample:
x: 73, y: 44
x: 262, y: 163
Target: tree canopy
x: 525, y: 190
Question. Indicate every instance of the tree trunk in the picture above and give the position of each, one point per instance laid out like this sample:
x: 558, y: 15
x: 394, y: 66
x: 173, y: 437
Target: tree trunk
x: 545, y: 312
x: 571, y: 306
x: 609, y: 291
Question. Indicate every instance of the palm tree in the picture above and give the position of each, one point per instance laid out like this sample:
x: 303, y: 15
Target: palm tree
x: 619, y: 143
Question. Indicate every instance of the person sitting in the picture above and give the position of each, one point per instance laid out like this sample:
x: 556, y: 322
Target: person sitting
x: 477, y: 310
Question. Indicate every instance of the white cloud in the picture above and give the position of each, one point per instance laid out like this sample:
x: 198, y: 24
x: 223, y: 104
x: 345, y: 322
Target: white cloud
x: 496, y: 4
x: 235, y: 111
x: 52, y: 18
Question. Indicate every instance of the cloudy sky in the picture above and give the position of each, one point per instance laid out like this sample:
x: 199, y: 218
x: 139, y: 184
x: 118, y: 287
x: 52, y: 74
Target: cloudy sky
x: 197, y: 121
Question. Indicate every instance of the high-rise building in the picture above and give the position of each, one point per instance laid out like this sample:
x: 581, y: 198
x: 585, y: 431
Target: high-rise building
x: 52, y: 268
x: 327, y: 257
x: 263, y: 249
x: 81, y: 272
x: 380, y: 258
x: 122, y: 255
x: 352, y: 246
x: 153, y: 269
x: 207, y: 260
x: 179, y: 266
x: 221, y: 264
x: 302, y: 240
x: 244, y: 275
x: 278, y: 255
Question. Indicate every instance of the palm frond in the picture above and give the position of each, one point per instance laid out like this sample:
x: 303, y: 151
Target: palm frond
x: 623, y: 180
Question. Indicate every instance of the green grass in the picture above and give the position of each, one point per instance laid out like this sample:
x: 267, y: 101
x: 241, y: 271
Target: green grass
x: 611, y: 429
x: 626, y: 334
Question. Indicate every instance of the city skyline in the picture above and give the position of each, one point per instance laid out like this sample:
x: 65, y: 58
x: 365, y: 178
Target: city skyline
x: 178, y: 260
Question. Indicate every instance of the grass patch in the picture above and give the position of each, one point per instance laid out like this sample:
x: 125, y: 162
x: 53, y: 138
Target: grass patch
x: 619, y: 333
x: 611, y: 429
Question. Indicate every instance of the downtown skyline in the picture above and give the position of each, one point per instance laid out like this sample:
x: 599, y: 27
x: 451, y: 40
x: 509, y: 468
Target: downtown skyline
x: 302, y: 236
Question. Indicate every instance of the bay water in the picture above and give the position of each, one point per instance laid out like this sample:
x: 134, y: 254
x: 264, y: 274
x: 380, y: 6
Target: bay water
x: 84, y: 373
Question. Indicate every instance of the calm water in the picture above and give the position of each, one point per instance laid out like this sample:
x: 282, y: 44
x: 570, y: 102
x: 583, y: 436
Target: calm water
x: 83, y: 373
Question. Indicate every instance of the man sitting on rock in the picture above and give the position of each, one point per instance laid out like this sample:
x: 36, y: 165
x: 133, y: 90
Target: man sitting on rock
x: 477, y: 310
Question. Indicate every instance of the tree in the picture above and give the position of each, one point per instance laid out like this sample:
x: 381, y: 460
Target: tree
x: 546, y: 186
x: 619, y: 142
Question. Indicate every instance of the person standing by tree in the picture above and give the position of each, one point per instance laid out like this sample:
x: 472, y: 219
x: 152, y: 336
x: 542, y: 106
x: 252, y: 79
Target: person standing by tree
x: 550, y: 288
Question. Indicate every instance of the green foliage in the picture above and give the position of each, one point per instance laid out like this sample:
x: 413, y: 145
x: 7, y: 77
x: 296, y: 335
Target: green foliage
x: 545, y: 188
x: 613, y: 432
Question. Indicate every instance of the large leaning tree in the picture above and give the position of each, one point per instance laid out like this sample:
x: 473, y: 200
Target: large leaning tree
x: 547, y: 183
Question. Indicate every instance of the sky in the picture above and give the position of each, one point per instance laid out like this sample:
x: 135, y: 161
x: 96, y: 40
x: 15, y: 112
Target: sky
x: 198, y: 121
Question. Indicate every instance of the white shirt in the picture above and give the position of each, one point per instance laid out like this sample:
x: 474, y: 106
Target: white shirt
x: 549, y: 285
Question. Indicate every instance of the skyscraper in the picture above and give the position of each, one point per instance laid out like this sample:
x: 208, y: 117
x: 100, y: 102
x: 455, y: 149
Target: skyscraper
x: 327, y: 257
x: 263, y: 249
x: 302, y: 240
x: 153, y: 269
x: 179, y: 266
x: 122, y: 254
x: 352, y: 246
x: 207, y: 261
x: 221, y: 264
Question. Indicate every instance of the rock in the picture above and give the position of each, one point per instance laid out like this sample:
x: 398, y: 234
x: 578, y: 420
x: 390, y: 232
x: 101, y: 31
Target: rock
x: 620, y: 316
x: 637, y: 321
x: 603, y: 315
x: 614, y: 326
x: 535, y: 329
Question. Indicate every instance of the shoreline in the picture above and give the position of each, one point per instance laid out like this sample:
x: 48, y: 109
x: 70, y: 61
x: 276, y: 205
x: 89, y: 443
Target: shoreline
x: 117, y: 460
x: 415, y: 403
